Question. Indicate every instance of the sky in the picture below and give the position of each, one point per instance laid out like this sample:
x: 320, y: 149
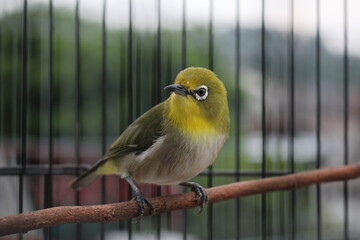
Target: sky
x: 277, y: 15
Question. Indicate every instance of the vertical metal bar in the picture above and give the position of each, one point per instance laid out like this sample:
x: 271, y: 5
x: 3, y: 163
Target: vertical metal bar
x: 2, y: 115
x: 158, y: 217
x: 130, y: 65
x: 158, y: 54
x: 2, y: 97
x: 346, y: 121
x: 77, y: 104
x: 137, y: 69
x: 48, y: 177
x: 183, y: 66
x: 103, y: 107
x: 211, y: 67
x: 130, y: 91
x: 318, y: 117
x: 237, y: 114
x: 184, y: 37
x: 158, y: 97
x: 211, y: 35
x: 292, y: 115
x: 23, y: 106
x: 122, y: 90
x: 263, y: 118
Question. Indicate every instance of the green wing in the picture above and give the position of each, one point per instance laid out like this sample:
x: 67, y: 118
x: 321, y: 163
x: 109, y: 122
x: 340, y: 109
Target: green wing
x: 138, y: 137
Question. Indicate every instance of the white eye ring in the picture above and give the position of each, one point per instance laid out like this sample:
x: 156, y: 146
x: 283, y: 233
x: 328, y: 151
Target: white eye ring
x: 201, y: 93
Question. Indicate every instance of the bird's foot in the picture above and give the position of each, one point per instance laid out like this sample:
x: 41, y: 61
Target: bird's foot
x: 142, y: 202
x: 139, y: 198
x: 200, y: 193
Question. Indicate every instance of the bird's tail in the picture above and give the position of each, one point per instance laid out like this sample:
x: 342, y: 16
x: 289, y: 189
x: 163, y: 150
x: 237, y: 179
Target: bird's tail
x: 86, y: 177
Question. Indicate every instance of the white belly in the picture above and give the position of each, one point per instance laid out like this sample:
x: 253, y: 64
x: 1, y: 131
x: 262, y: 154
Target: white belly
x: 172, y: 160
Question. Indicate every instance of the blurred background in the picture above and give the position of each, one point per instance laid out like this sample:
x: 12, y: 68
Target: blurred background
x: 74, y: 74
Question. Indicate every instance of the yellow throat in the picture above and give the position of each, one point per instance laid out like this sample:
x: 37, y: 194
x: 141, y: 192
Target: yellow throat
x: 187, y: 117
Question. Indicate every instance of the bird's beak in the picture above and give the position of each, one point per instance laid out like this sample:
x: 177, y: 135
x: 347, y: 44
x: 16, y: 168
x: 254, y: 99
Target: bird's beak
x: 178, y: 89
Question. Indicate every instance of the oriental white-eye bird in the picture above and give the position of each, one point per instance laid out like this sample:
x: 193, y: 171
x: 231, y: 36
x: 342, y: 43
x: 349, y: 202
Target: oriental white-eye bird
x: 172, y: 142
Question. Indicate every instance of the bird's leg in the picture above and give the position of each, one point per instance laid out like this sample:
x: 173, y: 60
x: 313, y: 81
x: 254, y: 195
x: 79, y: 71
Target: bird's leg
x: 139, y: 198
x: 200, y: 193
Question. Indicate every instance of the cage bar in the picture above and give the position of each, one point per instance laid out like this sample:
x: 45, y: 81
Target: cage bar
x: 77, y: 104
x: 291, y: 93
x: 263, y: 120
x: 131, y: 86
x: 346, y: 120
x: 103, y: 106
x: 49, y: 177
x: 157, y: 96
x: 318, y: 117
x: 24, y: 106
x: 237, y: 115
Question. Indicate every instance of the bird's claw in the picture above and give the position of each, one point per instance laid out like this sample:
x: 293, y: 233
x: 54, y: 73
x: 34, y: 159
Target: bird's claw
x: 200, y: 193
x: 142, y: 202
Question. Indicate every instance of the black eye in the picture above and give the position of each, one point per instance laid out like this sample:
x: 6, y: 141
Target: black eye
x: 201, y: 92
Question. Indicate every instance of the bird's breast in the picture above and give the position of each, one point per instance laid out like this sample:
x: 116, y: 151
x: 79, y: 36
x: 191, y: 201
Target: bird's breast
x: 174, y: 159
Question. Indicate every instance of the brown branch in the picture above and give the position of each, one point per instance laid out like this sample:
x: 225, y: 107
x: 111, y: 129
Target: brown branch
x: 24, y: 222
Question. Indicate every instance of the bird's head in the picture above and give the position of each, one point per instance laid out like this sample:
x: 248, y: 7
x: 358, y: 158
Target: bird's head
x: 198, y: 103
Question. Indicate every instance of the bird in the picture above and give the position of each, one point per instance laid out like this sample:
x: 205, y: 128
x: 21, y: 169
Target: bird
x: 173, y: 141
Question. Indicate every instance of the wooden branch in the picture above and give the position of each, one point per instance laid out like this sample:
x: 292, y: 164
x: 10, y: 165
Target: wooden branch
x: 24, y: 222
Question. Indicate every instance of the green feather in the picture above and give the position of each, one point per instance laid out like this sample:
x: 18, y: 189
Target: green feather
x: 138, y: 137
x: 141, y: 134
